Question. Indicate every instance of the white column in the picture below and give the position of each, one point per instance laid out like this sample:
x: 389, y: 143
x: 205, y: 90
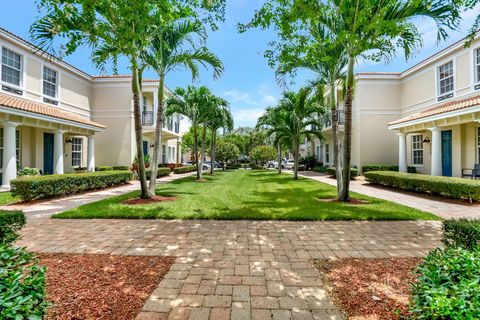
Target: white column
x: 9, y: 154
x: 58, y: 152
x: 436, y: 152
x: 155, y: 106
x: 91, y: 154
x: 402, y: 152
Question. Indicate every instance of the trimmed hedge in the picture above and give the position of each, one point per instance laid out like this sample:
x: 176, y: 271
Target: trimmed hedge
x: 461, y: 233
x: 447, y: 285
x: 104, y: 168
x: 233, y: 166
x: 385, y: 167
x: 184, y: 169
x: 161, y: 172
x: 49, y: 186
x: 120, y: 168
x: 331, y: 171
x: 320, y: 169
x: 457, y: 188
x: 10, y: 223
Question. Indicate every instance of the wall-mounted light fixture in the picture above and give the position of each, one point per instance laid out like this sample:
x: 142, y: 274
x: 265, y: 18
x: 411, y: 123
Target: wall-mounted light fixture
x: 426, y: 140
x: 69, y: 140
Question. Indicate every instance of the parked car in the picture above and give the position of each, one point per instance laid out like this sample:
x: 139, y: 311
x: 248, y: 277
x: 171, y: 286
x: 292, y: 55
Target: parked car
x: 289, y: 164
x: 272, y: 164
x: 187, y: 163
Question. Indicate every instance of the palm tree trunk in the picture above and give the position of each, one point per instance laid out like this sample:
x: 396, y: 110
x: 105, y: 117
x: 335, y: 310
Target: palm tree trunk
x: 158, y: 135
x: 202, y: 156
x: 212, y: 150
x: 138, y: 133
x: 347, y: 142
x: 195, y: 149
x: 296, y: 146
x: 336, y: 153
x: 279, y: 154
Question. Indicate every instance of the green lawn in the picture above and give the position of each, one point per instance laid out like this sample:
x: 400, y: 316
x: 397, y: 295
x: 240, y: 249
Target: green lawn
x: 7, y: 198
x: 245, y: 194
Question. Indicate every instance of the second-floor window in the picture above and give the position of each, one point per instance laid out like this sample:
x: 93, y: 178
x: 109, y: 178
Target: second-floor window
x: 327, y: 153
x: 50, y: 82
x: 445, y: 79
x: 417, y: 149
x: 11, y: 67
x: 477, y: 65
x: 77, y: 152
x: 144, y: 103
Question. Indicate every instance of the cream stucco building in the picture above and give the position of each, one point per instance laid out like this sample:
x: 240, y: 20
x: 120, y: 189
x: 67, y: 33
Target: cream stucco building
x: 427, y: 116
x: 56, y: 118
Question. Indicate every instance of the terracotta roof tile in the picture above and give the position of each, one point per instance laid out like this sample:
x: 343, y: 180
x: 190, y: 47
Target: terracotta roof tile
x: 441, y: 108
x: 43, y: 109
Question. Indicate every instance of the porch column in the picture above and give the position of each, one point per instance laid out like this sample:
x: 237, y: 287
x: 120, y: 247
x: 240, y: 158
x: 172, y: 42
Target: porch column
x: 90, y: 154
x: 436, y: 152
x: 402, y: 152
x: 9, y: 153
x: 155, y: 107
x: 58, y: 152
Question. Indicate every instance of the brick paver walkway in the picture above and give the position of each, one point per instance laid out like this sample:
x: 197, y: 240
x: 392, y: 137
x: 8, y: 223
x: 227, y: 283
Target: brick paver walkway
x: 444, y: 209
x: 236, y: 269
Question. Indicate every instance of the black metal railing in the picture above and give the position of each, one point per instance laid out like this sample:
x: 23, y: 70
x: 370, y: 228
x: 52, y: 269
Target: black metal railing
x: 327, y: 122
x: 147, y: 118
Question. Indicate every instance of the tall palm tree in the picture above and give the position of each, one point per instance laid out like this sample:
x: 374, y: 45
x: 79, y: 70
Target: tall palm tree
x: 221, y: 117
x: 273, y: 117
x: 176, y: 46
x: 375, y: 29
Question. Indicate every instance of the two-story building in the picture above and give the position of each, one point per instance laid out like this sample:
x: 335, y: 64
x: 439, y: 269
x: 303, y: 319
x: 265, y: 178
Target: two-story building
x: 427, y: 116
x: 56, y: 118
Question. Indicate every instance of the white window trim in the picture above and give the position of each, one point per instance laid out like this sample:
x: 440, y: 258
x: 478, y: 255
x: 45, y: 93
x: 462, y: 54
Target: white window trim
x: 474, y: 76
x: 57, y: 98
x: 417, y: 165
x: 327, y: 153
x: 23, y: 70
x: 81, y: 152
x: 437, y: 79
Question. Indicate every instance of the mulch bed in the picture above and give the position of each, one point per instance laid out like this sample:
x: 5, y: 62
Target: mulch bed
x: 135, y: 201
x: 100, y: 286
x: 370, y: 288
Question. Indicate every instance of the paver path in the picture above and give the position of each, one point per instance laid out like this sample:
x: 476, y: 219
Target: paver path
x: 236, y: 269
x: 45, y: 208
x: 443, y: 209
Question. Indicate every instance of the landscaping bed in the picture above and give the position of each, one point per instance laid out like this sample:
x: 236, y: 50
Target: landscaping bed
x: 370, y: 288
x: 100, y: 286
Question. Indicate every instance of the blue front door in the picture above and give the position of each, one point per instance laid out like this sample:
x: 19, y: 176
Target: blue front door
x: 145, y: 148
x: 447, y: 153
x: 47, y: 153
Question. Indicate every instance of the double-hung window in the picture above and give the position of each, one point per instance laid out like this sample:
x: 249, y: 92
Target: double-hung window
x: 477, y: 68
x: 327, y: 153
x: 445, y: 81
x: 50, y: 82
x: 11, y: 67
x: 417, y: 149
x: 478, y: 144
x: 77, y: 144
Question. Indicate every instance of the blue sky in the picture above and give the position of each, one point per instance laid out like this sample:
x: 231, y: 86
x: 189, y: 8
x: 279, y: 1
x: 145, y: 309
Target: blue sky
x: 248, y: 82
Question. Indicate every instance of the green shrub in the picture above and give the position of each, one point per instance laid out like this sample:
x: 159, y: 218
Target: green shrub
x: 104, y: 168
x: 462, y: 232
x: 457, y: 188
x: 22, y: 285
x: 120, y: 168
x: 234, y: 166
x: 10, y: 223
x: 448, y: 285
x: 161, y: 172
x: 184, y: 169
x: 353, y: 172
x: 28, y: 172
x: 385, y: 167
x: 321, y: 169
x: 29, y: 188
x: 255, y: 166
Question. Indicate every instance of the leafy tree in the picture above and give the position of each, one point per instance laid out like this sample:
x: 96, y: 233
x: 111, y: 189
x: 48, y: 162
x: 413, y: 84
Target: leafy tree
x: 188, y: 139
x: 371, y: 29
x: 226, y: 151
x: 221, y: 117
x: 115, y: 29
x: 175, y: 46
x: 263, y: 153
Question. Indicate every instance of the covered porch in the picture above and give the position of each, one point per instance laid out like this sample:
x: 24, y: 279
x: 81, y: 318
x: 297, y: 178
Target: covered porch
x: 440, y: 141
x: 43, y: 137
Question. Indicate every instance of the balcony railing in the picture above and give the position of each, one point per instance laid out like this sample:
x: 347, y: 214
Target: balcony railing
x: 328, y: 119
x: 147, y: 118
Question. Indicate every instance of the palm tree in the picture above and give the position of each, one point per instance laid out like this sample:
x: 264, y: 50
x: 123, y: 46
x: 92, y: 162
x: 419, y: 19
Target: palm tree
x: 297, y: 119
x: 176, y: 47
x: 374, y: 30
x: 274, y: 118
x: 221, y: 117
x: 195, y: 104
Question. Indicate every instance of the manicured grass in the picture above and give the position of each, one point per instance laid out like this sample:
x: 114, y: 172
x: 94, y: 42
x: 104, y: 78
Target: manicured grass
x: 8, y: 198
x: 245, y: 194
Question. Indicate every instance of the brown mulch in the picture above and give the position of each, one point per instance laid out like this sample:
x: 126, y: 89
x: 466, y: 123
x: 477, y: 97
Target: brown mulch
x: 370, y: 288
x: 100, y: 286
x: 153, y: 199
x: 352, y: 201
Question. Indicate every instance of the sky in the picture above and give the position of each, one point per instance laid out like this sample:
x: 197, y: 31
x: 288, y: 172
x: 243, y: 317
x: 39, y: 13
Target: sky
x: 248, y: 83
